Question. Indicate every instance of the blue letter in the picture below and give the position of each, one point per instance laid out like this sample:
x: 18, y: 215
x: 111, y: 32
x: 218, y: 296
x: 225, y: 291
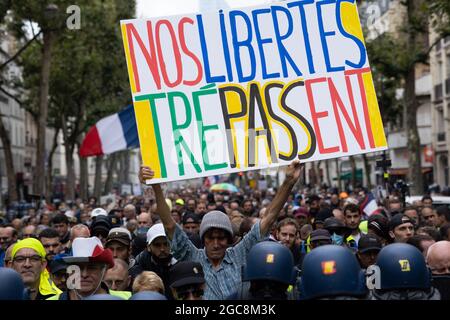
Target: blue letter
x: 244, y: 43
x: 201, y: 33
x: 226, y: 51
x: 261, y: 42
x: 358, y: 42
x: 300, y: 5
x: 284, y: 54
x: 324, y: 35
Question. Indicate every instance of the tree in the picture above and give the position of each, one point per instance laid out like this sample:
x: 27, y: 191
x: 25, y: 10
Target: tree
x: 88, y: 78
x: 395, y: 57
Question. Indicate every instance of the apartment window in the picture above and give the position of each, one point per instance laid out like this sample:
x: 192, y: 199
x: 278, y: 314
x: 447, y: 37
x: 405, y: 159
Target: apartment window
x: 440, y: 125
x: 438, y: 91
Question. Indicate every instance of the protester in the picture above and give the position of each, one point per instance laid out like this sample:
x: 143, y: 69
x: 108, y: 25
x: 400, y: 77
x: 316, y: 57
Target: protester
x: 148, y: 281
x: 368, y: 248
x: 156, y: 258
x: 119, y: 242
x: 51, y: 241
x: 438, y: 259
x: 117, y: 278
x: 222, y: 265
x: 401, y: 228
x: 187, y: 281
x: 93, y: 261
x: 28, y: 259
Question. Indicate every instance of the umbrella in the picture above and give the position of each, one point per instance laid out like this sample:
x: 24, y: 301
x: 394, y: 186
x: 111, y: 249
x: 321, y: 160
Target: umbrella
x: 224, y: 187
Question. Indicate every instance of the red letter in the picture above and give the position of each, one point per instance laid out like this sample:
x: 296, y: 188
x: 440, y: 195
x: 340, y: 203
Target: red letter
x: 337, y: 102
x: 189, y: 53
x: 359, y: 73
x: 316, y: 115
x: 150, y: 58
x: 176, y: 52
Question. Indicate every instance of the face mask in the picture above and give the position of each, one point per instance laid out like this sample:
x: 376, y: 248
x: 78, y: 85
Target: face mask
x: 337, y: 239
x: 442, y: 283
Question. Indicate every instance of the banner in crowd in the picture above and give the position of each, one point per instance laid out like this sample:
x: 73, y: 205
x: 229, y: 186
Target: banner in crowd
x: 251, y: 88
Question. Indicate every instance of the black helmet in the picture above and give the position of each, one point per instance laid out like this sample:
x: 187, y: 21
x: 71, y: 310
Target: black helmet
x: 402, y: 266
x: 269, y: 260
x: 11, y: 285
x: 330, y: 271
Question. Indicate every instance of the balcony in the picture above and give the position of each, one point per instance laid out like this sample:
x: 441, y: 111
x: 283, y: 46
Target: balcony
x: 438, y: 92
x: 441, y: 136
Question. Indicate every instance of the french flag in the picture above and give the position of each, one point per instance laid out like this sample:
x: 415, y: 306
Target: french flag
x: 369, y: 206
x: 113, y: 133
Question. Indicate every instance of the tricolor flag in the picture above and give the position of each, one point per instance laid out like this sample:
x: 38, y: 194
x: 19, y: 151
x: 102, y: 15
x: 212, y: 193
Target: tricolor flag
x: 369, y: 206
x: 113, y: 133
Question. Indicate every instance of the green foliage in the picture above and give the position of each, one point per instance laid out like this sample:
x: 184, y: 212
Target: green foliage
x: 88, y: 77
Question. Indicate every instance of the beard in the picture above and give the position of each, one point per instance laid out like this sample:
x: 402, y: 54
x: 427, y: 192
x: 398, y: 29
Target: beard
x: 162, y: 261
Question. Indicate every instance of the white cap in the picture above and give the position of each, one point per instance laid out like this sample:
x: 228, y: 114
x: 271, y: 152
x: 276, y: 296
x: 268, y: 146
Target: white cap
x: 69, y: 214
x: 157, y: 230
x: 98, y: 212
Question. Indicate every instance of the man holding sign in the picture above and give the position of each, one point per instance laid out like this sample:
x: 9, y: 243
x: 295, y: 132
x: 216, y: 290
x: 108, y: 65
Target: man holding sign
x: 251, y: 88
x: 221, y: 263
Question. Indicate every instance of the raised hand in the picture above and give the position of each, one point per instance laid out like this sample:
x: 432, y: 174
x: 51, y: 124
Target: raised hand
x: 294, y: 170
x: 145, y: 173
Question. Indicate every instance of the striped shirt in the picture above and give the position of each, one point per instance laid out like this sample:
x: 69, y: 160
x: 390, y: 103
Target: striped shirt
x: 221, y: 282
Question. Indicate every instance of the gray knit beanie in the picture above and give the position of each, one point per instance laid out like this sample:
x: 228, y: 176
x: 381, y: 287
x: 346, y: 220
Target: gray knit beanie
x: 215, y: 219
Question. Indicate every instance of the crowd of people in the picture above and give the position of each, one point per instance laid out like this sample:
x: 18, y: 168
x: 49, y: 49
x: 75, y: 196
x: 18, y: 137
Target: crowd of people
x: 190, y: 244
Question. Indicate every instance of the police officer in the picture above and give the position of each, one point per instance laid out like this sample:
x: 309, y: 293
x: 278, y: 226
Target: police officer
x: 332, y: 272
x: 11, y: 285
x: 268, y: 274
x: 403, y: 275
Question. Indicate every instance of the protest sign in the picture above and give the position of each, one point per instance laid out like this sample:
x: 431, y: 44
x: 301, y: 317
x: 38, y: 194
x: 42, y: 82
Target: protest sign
x: 251, y: 88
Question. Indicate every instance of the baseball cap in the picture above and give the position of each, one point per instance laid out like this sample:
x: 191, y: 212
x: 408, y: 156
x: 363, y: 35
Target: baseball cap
x: 157, y: 230
x: 399, y: 219
x: 120, y: 234
x: 98, y: 212
x: 57, y: 265
x: 190, y: 218
x: 320, y: 234
x: 180, y: 202
x: 185, y: 273
x: 379, y: 224
x: 100, y: 224
x: 369, y: 242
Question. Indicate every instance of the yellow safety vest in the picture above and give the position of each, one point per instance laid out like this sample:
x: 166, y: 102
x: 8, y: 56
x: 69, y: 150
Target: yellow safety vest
x: 121, y: 294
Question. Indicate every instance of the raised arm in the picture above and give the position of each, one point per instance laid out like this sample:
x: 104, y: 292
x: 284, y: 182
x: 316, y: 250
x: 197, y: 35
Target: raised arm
x: 293, y: 172
x: 145, y: 173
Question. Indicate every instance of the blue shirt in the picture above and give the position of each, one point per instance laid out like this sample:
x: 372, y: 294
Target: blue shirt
x: 226, y: 279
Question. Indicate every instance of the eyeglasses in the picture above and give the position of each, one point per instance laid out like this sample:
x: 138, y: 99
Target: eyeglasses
x: 184, y: 293
x: 22, y: 259
x: 5, y: 238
